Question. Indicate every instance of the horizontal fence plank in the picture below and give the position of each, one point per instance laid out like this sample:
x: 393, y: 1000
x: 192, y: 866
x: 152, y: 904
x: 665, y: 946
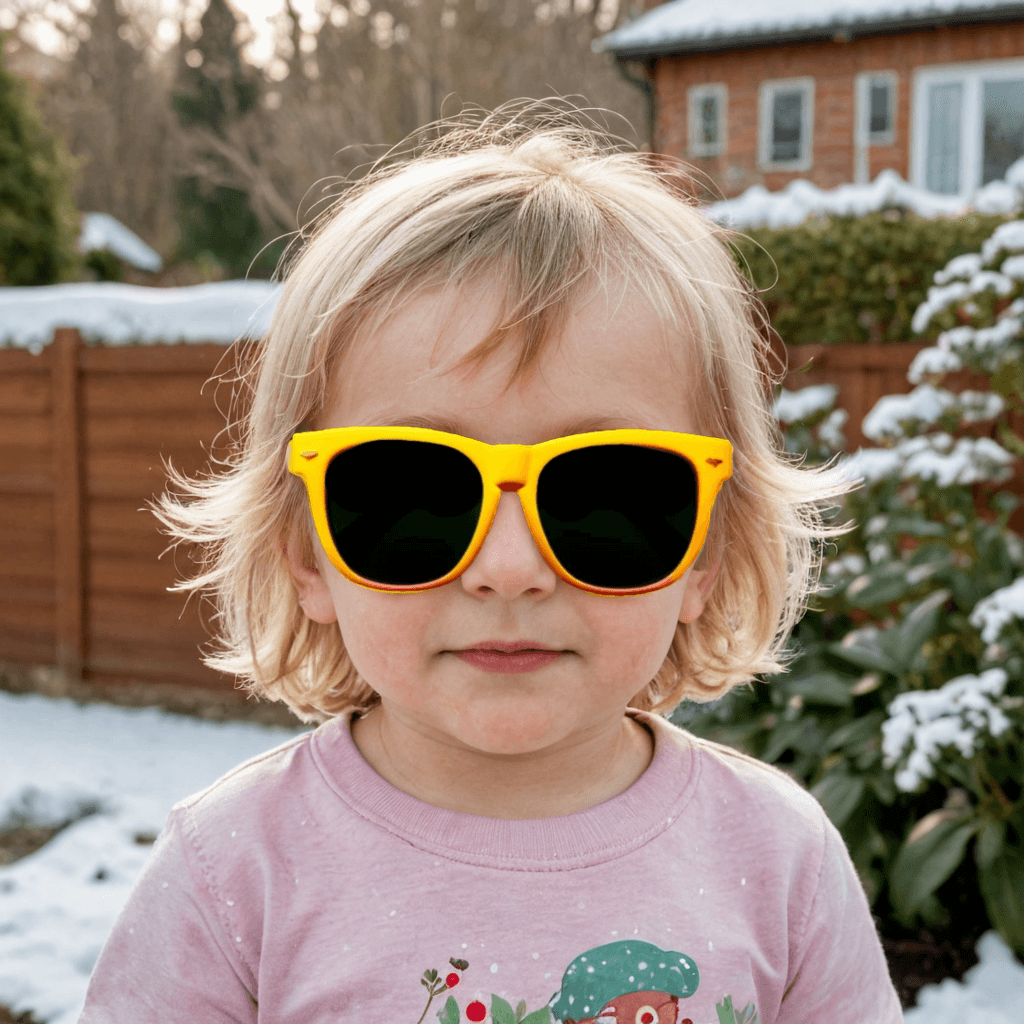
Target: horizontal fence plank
x: 30, y: 649
x: 160, y: 431
x: 194, y: 359
x: 178, y: 664
x: 125, y: 575
x: 20, y: 360
x: 153, y: 614
x: 26, y: 461
x: 24, y: 394
x: 33, y: 512
x: 26, y: 555
x: 149, y: 394
x: 19, y: 612
x: 25, y: 428
x: 20, y: 484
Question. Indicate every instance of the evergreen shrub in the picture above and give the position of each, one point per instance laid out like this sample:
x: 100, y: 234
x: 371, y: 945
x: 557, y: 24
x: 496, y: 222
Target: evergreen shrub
x: 38, y: 220
x: 835, y: 280
x: 903, y: 712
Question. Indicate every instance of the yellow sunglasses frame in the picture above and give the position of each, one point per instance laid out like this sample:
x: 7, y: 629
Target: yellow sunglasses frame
x: 509, y: 467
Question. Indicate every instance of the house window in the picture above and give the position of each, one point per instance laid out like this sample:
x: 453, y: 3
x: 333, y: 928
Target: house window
x: 876, y: 107
x: 707, y: 106
x: 968, y: 124
x: 786, y: 124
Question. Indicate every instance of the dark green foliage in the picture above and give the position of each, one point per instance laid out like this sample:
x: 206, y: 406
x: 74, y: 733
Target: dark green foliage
x: 216, y: 220
x: 38, y: 219
x: 105, y: 265
x: 845, y: 279
x: 894, y: 618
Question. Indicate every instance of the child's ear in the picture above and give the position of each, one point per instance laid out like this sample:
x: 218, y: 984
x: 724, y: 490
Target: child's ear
x: 314, y: 594
x: 698, y: 585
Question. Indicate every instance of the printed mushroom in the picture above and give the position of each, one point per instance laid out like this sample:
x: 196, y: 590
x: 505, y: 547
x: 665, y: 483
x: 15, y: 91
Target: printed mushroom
x: 625, y: 982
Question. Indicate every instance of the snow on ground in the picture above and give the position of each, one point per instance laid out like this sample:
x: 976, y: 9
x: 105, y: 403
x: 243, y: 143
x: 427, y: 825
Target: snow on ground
x: 58, y: 760
x: 128, y: 766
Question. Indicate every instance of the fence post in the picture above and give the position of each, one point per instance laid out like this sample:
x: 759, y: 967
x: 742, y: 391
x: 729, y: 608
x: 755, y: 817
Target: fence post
x: 68, y: 505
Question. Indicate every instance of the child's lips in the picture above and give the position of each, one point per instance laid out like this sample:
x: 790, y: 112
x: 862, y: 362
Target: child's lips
x: 520, y: 658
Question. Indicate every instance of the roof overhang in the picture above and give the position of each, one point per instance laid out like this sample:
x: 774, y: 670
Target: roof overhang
x: 835, y: 31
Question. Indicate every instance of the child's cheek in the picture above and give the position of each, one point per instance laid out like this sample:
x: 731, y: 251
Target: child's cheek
x: 386, y: 634
x: 636, y: 632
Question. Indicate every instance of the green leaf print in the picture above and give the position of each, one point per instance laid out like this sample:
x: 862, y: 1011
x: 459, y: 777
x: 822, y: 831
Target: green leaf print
x: 541, y: 1016
x: 450, y: 1013
x: 727, y: 1014
x: 501, y: 1012
x: 521, y: 1010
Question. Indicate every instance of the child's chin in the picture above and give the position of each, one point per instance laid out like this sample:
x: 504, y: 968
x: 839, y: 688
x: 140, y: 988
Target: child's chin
x: 508, y: 732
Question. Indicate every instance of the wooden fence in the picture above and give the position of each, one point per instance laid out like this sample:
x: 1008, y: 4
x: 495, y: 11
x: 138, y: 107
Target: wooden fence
x: 83, y: 431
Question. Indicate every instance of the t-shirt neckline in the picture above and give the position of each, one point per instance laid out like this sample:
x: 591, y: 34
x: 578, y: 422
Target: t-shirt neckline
x: 607, y: 830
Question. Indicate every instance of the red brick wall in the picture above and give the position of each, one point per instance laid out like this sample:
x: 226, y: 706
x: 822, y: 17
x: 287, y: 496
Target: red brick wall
x: 834, y: 67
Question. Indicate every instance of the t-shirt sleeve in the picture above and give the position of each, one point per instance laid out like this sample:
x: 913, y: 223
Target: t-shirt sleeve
x: 168, y: 958
x: 839, y: 972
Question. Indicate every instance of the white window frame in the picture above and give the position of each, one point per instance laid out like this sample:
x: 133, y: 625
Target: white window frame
x: 694, y: 97
x: 764, y: 133
x: 969, y: 75
x: 863, y: 137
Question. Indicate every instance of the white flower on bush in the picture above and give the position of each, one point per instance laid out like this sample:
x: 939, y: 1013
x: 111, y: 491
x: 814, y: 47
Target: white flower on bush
x: 953, y: 716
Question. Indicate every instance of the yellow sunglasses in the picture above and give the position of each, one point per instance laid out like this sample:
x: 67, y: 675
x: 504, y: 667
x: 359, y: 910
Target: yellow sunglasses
x: 613, y: 511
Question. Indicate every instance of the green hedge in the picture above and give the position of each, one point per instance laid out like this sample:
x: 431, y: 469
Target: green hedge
x: 837, y: 280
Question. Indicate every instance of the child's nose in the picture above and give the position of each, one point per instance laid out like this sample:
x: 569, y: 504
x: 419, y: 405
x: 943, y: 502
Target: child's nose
x: 509, y: 563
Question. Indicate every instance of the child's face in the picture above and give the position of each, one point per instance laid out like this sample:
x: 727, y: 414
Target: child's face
x: 608, y: 371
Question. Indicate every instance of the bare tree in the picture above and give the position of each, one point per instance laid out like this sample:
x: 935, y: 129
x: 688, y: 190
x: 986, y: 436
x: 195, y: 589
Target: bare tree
x: 110, y: 107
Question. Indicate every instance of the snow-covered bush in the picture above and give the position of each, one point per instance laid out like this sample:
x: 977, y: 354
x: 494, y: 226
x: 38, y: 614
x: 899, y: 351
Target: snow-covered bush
x: 852, y: 263
x: 904, y: 712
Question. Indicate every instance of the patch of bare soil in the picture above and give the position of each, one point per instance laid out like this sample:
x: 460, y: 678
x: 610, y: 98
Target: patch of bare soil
x: 7, y: 1017
x: 927, y: 961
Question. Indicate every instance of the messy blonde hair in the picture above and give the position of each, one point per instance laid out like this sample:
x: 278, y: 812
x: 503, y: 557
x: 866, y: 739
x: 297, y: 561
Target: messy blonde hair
x: 552, y: 207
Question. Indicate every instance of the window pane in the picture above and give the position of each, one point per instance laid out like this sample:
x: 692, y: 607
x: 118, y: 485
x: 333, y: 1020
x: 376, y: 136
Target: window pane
x: 1004, y: 127
x: 709, y: 121
x: 787, y: 120
x: 879, y: 109
x: 943, y: 171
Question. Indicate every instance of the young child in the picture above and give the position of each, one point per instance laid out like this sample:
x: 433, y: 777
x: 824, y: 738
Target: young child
x: 509, y: 489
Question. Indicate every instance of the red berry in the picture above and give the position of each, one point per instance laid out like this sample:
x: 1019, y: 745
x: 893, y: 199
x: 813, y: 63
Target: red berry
x: 686, y: 1020
x: 476, y: 1011
x: 452, y: 980
x: 647, y: 1018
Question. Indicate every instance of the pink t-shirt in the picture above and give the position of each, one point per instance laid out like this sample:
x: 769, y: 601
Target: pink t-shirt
x: 304, y: 888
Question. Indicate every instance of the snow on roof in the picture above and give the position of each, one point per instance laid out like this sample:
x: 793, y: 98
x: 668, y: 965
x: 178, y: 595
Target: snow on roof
x: 120, y: 314
x: 693, y: 25
x: 101, y: 231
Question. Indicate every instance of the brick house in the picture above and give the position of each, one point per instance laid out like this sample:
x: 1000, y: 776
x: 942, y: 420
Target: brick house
x: 765, y: 91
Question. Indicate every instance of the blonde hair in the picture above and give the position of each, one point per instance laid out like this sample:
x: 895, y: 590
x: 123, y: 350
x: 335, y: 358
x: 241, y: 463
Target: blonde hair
x: 552, y: 205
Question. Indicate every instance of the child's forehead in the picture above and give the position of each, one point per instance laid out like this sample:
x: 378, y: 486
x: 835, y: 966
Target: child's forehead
x: 606, y: 361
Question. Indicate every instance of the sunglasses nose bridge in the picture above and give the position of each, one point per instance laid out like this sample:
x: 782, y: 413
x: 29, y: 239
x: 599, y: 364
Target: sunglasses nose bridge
x: 511, y: 464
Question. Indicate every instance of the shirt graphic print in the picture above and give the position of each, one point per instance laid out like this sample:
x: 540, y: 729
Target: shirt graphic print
x: 619, y: 982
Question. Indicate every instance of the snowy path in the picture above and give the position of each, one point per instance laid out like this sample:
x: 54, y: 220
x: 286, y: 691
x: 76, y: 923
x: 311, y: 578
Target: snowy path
x: 59, y: 760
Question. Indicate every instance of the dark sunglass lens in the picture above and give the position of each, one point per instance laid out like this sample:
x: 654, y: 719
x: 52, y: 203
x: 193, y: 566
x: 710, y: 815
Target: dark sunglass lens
x: 618, y: 515
x: 402, y: 512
